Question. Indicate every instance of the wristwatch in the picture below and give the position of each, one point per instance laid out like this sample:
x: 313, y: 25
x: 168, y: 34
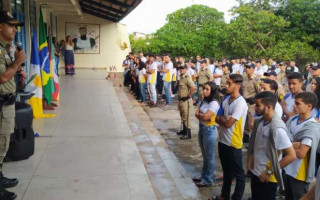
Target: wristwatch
x: 269, y: 172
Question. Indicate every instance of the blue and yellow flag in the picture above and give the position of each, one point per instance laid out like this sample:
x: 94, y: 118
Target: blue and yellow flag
x: 36, y: 100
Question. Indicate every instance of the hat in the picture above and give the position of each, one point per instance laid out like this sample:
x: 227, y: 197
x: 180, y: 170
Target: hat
x: 270, y: 73
x: 203, y: 61
x: 183, y: 67
x: 249, y: 65
x: 315, y: 67
x: 281, y: 64
x: 272, y: 68
x: 289, y: 70
x: 6, y: 17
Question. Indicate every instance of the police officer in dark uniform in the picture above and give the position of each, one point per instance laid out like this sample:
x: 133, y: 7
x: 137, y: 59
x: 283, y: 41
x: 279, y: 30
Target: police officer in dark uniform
x: 186, y: 90
x: 8, y: 69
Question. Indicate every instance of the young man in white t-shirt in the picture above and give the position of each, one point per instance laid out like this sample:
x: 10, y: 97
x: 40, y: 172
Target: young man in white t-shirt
x: 258, y: 71
x: 295, y: 82
x: 304, y: 133
x: 231, y: 118
x: 167, y: 78
x: 152, y: 80
x: 217, y: 73
x: 271, y: 86
x: 269, y: 136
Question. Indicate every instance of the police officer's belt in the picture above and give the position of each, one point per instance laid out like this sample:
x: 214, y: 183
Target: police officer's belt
x: 184, y: 98
x: 7, y: 99
x: 250, y: 101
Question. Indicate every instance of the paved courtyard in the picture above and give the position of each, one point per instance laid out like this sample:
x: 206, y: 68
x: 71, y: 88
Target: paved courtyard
x: 91, y: 151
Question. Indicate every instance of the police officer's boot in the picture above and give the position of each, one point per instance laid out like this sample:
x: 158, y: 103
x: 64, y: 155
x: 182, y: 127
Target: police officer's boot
x: 6, y: 195
x: 186, y: 136
x: 183, y: 131
x: 7, y: 182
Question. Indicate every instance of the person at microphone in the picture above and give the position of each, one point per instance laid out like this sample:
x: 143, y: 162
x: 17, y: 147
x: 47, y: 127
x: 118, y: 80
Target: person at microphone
x: 8, y: 69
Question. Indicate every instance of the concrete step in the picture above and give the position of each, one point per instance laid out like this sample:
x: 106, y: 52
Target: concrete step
x: 168, y: 177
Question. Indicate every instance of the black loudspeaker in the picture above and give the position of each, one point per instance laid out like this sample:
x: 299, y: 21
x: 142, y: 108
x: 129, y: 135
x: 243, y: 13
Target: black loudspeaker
x: 22, y: 140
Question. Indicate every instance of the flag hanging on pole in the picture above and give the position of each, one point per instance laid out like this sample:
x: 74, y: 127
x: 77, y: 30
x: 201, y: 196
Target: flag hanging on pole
x: 47, y: 79
x: 36, y: 100
x: 55, y: 95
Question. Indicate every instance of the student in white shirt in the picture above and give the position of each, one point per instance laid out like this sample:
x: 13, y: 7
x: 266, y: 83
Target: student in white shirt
x: 304, y: 134
x: 264, y: 65
x: 231, y: 118
x: 206, y: 114
x: 272, y: 86
x: 295, y: 87
x: 143, y: 82
x: 258, y: 71
x: 269, y: 136
x: 167, y: 78
x: 152, y: 80
x: 217, y: 73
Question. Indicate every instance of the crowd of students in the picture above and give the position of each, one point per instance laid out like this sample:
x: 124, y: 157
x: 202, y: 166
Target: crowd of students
x: 273, y: 107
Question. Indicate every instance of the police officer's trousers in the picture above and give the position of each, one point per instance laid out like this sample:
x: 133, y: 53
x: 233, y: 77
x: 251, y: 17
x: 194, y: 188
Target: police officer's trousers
x: 7, y: 122
x: 186, y: 110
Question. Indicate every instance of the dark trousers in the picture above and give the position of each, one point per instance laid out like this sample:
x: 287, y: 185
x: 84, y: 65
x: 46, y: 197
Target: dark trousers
x: 174, y: 87
x: 127, y: 78
x: 159, y: 84
x: 317, y: 163
x: 262, y: 191
x: 231, y: 161
x: 294, y: 189
x: 137, y: 90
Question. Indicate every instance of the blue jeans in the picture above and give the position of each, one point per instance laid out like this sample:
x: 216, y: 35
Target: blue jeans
x: 167, y: 91
x: 143, y: 87
x: 207, y: 139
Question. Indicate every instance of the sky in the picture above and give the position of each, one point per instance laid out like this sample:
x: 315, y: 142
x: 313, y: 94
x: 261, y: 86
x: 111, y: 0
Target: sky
x: 150, y: 15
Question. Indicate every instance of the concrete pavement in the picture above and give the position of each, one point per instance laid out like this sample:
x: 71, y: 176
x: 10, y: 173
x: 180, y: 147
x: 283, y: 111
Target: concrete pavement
x: 97, y: 148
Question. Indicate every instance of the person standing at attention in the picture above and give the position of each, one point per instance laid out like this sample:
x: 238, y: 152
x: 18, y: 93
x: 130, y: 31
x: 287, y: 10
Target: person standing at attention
x: 152, y: 80
x: 69, y: 57
x: 269, y: 137
x: 167, y: 77
x: 8, y: 69
x: 304, y: 133
x: 186, y: 90
x: 206, y: 114
x: 231, y: 118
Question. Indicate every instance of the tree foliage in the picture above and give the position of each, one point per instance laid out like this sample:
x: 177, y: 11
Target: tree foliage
x: 281, y: 29
x: 304, y: 18
x: 194, y: 30
x: 254, y: 32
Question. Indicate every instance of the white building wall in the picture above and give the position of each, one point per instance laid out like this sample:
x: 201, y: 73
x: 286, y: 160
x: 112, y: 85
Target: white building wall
x: 112, y: 39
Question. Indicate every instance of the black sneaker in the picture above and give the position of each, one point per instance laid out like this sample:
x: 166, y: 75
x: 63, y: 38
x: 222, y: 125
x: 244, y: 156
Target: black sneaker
x: 6, y: 195
x: 7, y: 182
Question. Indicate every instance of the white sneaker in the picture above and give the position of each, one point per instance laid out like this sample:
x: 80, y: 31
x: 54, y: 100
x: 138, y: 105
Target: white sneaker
x: 172, y: 96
